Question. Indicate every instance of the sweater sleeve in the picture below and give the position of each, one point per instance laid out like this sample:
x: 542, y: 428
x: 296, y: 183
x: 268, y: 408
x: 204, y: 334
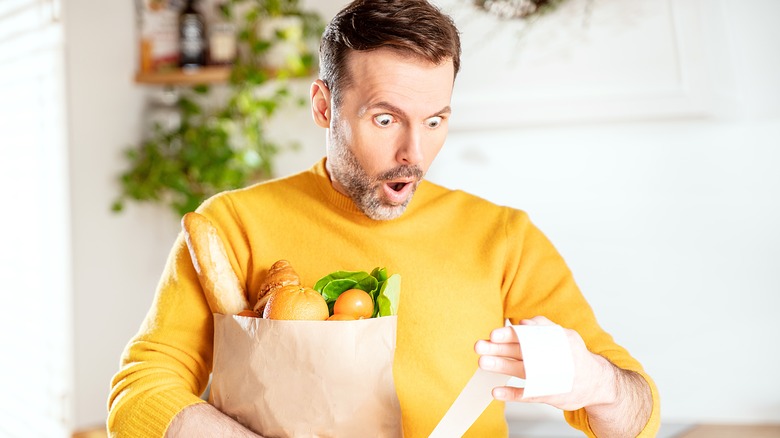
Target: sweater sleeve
x: 539, y: 283
x: 166, y: 365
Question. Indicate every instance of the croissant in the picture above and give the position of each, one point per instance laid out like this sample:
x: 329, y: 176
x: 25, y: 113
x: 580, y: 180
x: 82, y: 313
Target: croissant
x: 281, y: 274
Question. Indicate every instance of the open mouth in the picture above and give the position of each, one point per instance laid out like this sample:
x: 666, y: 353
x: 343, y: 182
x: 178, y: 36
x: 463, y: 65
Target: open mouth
x: 397, y: 186
x: 398, y: 192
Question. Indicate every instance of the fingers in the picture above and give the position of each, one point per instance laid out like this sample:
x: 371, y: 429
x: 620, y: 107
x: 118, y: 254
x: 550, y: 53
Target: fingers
x: 504, y: 342
x: 502, y: 354
x: 496, y: 364
x: 508, y: 334
x: 504, y: 335
x: 492, y: 349
x: 508, y: 367
x: 510, y: 393
x: 507, y: 393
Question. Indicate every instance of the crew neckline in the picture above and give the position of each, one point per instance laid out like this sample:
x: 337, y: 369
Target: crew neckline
x: 344, y: 202
x: 333, y: 196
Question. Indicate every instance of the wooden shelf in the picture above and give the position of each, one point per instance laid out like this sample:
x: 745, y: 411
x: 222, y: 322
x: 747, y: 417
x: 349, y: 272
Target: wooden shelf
x: 201, y: 76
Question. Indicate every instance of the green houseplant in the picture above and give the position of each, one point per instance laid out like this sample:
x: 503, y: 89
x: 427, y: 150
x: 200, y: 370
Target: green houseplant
x: 225, y: 146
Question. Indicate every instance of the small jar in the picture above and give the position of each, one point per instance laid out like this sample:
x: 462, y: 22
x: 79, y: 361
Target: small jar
x: 222, y: 43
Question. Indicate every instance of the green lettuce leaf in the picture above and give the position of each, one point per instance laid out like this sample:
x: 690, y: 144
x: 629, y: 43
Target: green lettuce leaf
x: 389, y: 296
x: 332, y: 285
x: 384, y: 290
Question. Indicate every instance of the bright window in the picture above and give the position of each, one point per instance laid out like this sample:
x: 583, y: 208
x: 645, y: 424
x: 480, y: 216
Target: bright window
x: 35, y: 282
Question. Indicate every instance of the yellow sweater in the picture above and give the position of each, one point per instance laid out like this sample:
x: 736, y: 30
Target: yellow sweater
x: 466, y: 265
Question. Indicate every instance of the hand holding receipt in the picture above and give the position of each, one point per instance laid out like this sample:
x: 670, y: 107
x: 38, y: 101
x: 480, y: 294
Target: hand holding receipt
x: 542, y: 366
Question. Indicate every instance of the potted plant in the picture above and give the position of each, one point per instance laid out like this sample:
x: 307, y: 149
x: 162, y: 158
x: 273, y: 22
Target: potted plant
x: 216, y: 147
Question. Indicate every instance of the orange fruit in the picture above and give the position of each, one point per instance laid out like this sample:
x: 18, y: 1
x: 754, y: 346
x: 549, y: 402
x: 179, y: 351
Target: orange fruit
x: 341, y: 317
x: 248, y: 312
x: 296, y: 302
x: 354, y: 302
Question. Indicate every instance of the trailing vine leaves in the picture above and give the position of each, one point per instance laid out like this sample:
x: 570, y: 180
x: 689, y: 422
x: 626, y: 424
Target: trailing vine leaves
x: 517, y: 9
x: 226, y: 146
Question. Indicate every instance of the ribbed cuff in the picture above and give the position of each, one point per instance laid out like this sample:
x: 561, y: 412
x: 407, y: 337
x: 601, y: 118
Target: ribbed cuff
x: 153, y: 416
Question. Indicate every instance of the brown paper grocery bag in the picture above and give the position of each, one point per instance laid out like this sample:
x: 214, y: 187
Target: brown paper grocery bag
x: 307, y: 378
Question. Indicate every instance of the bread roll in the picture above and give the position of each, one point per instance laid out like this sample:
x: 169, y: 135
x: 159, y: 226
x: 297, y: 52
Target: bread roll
x: 220, y: 284
x: 281, y: 274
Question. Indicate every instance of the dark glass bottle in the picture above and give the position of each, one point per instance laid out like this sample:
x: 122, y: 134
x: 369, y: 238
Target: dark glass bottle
x: 192, y: 37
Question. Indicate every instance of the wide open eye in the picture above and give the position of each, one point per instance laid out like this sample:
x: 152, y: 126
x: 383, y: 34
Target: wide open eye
x: 433, y: 122
x: 383, y: 120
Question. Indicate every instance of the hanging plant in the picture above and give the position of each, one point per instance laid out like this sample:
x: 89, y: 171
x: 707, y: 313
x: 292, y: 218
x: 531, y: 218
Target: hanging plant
x: 225, y: 146
x: 517, y: 9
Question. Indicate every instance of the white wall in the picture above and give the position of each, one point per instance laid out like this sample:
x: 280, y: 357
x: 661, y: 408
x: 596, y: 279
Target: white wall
x: 669, y: 226
x: 117, y: 258
x: 671, y: 232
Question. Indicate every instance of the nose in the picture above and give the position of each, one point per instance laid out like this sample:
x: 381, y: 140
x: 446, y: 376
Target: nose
x: 410, y: 152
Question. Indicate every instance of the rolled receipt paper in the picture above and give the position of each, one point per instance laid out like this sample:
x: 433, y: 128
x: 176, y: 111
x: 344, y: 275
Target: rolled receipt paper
x: 549, y: 370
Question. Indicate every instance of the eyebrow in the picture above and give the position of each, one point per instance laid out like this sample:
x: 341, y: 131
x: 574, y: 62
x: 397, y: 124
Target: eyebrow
x: 394, y: 109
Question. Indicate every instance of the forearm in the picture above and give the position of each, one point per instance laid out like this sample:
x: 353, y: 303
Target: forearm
x: 628, y: 411
x: 204, y: 420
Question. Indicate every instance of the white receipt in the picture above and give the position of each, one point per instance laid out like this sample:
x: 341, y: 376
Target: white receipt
x: 549, y: 370
x: 472, y: 401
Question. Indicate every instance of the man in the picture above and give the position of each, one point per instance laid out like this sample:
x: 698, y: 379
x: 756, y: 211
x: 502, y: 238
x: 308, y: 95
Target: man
x: 386, y: 81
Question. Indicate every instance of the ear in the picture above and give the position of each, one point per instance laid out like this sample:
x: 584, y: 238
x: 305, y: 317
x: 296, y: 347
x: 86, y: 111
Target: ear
x: 320, y: 103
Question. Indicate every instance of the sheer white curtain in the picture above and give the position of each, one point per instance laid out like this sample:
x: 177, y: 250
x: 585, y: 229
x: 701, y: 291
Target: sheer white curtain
x: 35, y: 321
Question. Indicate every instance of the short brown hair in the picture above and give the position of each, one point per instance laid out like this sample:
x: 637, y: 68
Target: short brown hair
x: 411, y: 27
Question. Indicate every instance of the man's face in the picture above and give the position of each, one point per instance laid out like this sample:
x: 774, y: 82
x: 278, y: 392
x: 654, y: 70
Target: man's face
x: 391, y: 124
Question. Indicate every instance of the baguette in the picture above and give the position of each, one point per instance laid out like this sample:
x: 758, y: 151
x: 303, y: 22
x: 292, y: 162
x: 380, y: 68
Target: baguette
x: 223, y: 291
